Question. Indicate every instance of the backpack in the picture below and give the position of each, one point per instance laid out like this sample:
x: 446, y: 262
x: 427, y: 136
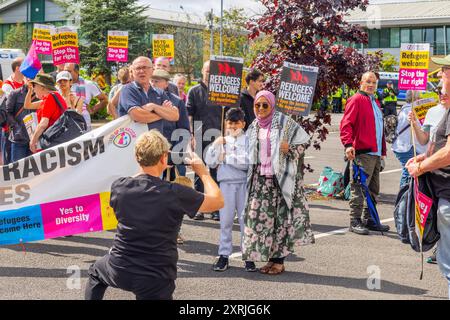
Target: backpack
x: 430, y: 233
x: 70, y: 125
x: 390, y: 128
x: 401, y: 204
x: 3, y: 113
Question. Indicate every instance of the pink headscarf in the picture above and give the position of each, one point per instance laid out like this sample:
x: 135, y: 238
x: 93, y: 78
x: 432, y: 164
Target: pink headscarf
x: 266, y: 123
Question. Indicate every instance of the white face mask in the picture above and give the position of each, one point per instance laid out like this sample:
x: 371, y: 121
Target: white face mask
x: 235, y: 133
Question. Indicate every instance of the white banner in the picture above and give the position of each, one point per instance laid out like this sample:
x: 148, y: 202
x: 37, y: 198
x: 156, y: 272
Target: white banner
x: 65, y: 190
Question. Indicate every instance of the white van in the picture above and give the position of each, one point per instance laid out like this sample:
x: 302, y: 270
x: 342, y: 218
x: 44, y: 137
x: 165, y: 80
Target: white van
x: 6, y: 58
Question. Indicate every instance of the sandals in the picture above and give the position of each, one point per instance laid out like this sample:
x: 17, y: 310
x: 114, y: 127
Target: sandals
x: 276, y: 268
x: 266, y: 268
x: 272, y: 268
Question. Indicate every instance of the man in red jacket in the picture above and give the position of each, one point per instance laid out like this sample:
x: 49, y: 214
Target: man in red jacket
x: 362, y: 135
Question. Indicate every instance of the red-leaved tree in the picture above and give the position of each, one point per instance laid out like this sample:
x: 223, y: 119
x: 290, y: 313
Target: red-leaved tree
x: 307, y: 32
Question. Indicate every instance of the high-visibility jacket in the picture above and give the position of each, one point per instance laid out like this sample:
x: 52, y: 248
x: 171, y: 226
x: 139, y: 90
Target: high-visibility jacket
x: 338, y: 94
x: 387, y: 97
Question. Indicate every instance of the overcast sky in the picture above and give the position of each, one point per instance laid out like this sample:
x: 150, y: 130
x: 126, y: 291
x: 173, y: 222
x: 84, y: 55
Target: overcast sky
x: 201, y: 6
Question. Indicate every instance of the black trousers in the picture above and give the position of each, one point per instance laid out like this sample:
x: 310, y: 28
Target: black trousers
x: 102, y: 275
x: 390, y: 108
x: 199, y: 184
x: 337, y: 105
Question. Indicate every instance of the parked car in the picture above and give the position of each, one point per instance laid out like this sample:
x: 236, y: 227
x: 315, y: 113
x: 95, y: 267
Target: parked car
x: 6, y: 58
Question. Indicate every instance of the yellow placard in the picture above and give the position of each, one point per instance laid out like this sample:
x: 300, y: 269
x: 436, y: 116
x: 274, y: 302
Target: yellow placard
x: 421, y: 108
x: 163, y: 48
x: 108, y: 216
x: 118, y: 41
x: 42, y: 34
x: 65, y: 39
x: 414, y: 59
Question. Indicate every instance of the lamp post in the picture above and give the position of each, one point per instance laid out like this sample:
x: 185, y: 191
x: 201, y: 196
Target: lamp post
x: 221, y: 27
x: 210, y: 19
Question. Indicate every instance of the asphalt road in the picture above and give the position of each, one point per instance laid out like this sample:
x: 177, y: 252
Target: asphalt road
x: 340, y: 265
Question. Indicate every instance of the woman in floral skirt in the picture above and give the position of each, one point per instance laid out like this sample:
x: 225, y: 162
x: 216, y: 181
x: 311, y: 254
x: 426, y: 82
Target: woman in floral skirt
x: 277, y: 216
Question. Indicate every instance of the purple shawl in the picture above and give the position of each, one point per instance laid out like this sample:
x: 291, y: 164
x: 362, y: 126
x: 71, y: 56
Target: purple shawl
x: 266, y: 123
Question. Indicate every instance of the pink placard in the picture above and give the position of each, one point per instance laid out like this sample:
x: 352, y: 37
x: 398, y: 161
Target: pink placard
x: 66, y: 55
x: 424, y: 203
x: 412, y: 79
x: 117, y: 54
x: 73, y: 216
x: 43, y: 47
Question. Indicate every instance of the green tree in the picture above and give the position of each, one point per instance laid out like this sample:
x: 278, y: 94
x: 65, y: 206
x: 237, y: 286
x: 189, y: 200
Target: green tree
x: 17, y: 38
x: 234, y: 35
x: 256, y: 47
x: 99, y: 16
x: 188, y: 51
x: 389, y: 63
x: 188, y: 47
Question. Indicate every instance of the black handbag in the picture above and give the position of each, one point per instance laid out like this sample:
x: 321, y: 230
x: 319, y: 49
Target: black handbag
x: 69, y: 126
x: 430, y: 233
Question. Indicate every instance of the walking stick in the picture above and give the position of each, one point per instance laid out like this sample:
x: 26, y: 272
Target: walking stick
x: 416, y: 181
x: 222, y: 124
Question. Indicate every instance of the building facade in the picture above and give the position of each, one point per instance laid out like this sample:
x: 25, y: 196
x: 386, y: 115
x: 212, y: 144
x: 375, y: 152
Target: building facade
x: 390, y: 24
x: 29, y: 12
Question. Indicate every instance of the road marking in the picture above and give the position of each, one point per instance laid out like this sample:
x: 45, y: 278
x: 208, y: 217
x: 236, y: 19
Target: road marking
x: 343, y: 230
x: 391, y: 171
x: 238, y: 255
x: 310, y: 157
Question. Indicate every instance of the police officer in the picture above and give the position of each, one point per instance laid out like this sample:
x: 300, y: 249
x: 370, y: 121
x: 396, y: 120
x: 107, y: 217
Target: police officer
x: 337, y: 101
x: 390, y: 99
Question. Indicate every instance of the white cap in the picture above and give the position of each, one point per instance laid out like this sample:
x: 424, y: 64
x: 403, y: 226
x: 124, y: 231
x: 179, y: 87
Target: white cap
x: 63, y: 75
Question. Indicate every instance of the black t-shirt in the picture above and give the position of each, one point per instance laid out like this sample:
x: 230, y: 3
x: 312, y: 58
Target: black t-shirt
x: 201, y: 110
x: 441, y: 177
x: 247, y: 106
x: 150, y: 211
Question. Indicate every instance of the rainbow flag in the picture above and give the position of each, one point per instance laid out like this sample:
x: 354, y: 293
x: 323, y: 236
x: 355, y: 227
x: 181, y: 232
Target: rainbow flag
x: 31, y: 64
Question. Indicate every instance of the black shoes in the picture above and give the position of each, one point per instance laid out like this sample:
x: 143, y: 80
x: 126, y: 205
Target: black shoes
x: 199, y: 216
x: 250, y: 266
x: 371, y: 225
x: 221, y: 264
x: 215, y: 216
x: 358, y: 227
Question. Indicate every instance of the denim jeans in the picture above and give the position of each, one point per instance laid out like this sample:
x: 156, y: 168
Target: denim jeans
x: 443, y: 246
x: 403, y: 157
x: 19, y: 151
